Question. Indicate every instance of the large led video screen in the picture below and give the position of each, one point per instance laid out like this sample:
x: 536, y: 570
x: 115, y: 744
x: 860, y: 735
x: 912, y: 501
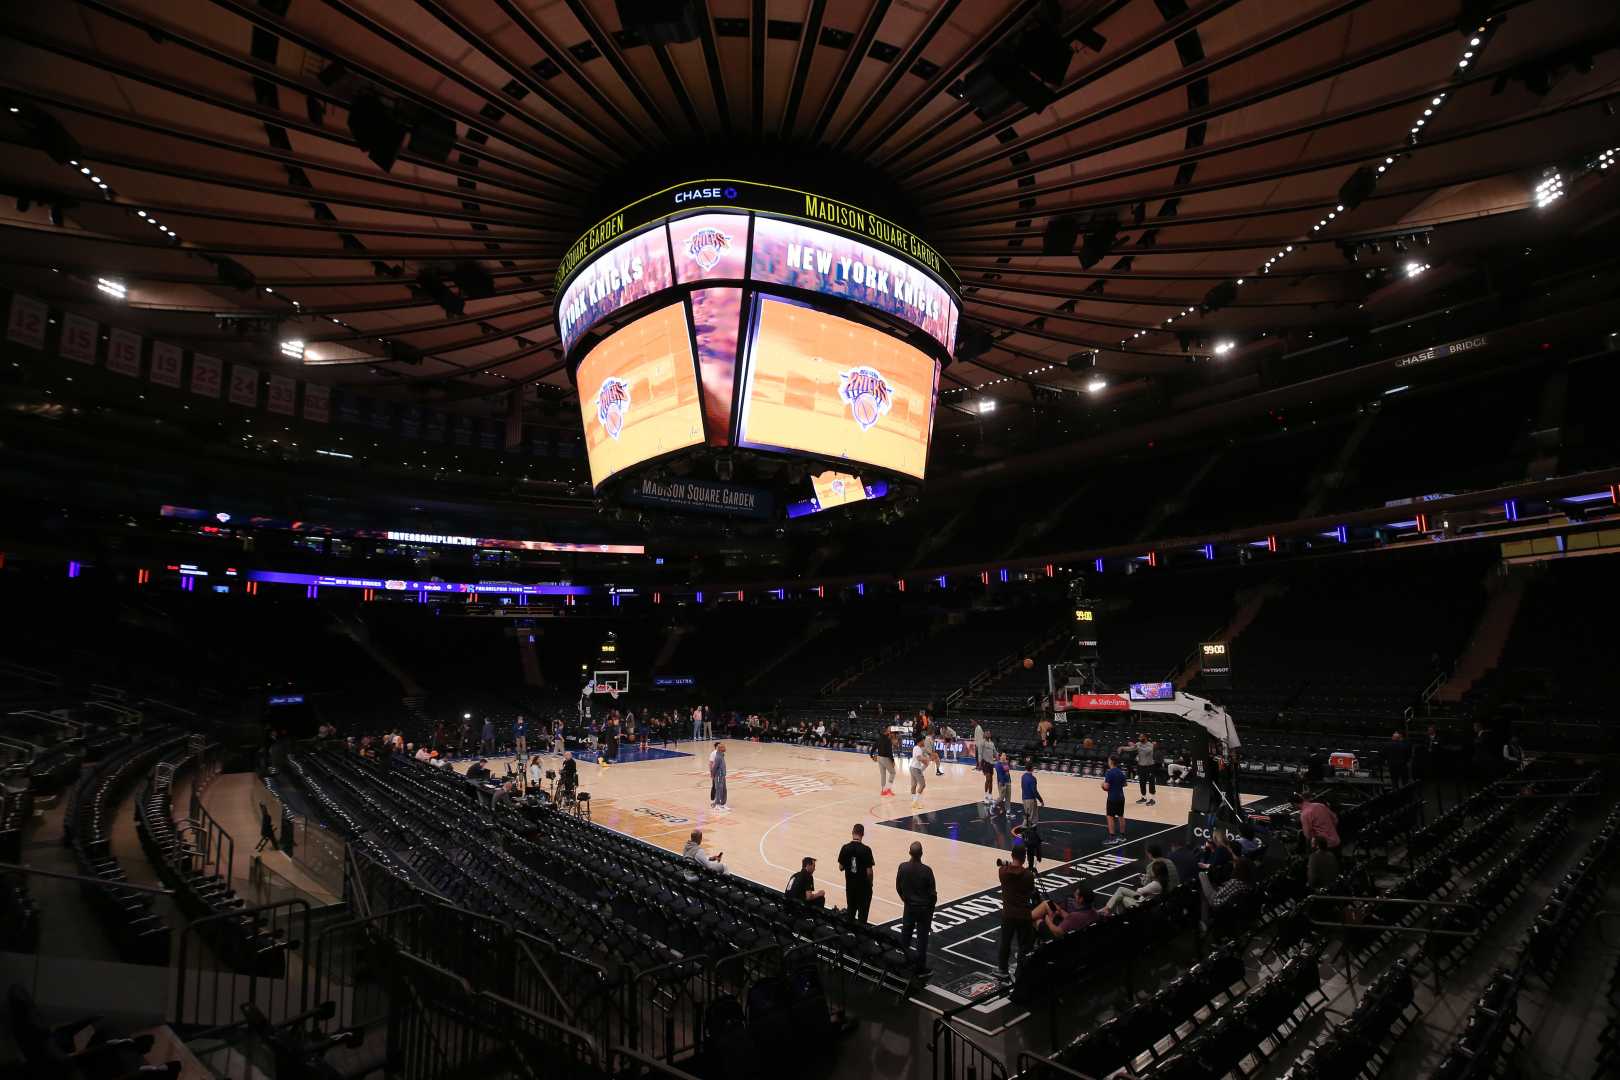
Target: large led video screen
x: 716, y: 323
x: 820, y: 384
x: 709, y: 247
x: 631, y: 270
x: 638, y: 393
x: 830, y: 263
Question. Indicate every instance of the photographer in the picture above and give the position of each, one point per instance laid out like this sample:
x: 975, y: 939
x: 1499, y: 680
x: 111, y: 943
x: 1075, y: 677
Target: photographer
x: 1017, y: 898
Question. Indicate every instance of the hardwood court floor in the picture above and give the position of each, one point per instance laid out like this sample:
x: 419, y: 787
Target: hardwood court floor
x: 789, y: 801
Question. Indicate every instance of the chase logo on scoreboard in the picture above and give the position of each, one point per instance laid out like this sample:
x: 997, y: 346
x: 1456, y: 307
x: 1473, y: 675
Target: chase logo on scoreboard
x: 868, y: 394
x: 612, y: 403
x: 706, y: 245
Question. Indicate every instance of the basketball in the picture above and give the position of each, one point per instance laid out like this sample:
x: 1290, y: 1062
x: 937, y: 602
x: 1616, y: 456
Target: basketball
x: 1028, y: 663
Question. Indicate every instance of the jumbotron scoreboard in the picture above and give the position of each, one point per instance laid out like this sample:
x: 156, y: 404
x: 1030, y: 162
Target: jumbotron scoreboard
x: 731, y: 340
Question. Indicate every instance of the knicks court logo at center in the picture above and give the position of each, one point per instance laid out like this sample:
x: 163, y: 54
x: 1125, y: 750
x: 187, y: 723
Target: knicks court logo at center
x: 612, y: 403
x: 867, y: 393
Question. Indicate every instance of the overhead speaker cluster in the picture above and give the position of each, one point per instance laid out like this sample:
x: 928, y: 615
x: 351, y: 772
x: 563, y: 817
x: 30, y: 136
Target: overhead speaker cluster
x: 379, y: 128
x: 1028, y: 71
x: 661, y: 22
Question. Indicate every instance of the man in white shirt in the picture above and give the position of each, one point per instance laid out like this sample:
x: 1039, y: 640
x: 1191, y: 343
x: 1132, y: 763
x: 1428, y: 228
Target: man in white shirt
x: 921, y: 755
x: 694, y: 851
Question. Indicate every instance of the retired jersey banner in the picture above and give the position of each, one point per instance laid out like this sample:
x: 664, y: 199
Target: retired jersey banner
x: 245, y: 385
x: 78, y: 339
x: 317, y: 403
x: 26, y: 326
x: 283, y: 395
x: 124, y: 353
x: 206, y: 374
x: 166, y: 364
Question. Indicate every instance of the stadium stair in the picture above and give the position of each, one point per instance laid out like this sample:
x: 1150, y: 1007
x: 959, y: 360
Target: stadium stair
x: 1249, y: 603
x: 1326, y: 481
x: 1489, y: 638
x: 357, y: 631
x: 816, y: 628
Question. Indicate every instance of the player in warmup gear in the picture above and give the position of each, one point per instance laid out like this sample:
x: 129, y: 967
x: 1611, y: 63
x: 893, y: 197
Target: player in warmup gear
x: 883, y: 753
x: 1114, y: 784
x: 1146, y: 766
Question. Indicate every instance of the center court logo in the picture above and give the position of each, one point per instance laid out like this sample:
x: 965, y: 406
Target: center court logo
x: 612, y: 403
x: 867, y: 393
x: 706, y: 245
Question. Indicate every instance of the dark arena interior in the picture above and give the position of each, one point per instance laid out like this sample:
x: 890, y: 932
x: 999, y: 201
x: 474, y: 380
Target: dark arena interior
x: 809, y: 539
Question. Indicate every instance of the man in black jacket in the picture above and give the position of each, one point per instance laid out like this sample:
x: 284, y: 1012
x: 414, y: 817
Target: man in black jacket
x: 855, y: 860
x: 802, y: 886
x: 914, y: 881
x: 1398, y: 756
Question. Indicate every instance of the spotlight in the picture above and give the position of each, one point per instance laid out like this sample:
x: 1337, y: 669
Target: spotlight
x: 293, y: 350
x: 112, y: 287
x: 1223, y: 347
x: 1097, y: 385
x: 986, y: 406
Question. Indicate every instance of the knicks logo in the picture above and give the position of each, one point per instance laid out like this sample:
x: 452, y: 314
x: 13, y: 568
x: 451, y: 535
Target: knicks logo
x: 868, y: 394
x: 706, y: 245
x: 612, y: 403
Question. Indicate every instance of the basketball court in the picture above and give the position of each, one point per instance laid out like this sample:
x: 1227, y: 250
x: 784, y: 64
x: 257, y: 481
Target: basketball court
x: 788, y: 801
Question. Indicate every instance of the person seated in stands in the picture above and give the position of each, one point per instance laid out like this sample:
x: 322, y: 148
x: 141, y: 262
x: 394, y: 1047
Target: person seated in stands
x: 802, y: 886
x: 1216, y: 860
x: 1157, y: 884
x: 1247, y: 844
x: 1184, y: 858
x: 1081, y: 915
x: 1222, y: 898
x: 423, y: 754
x: 479, y: 770
x: 1513, y: 754
x: 821, y: 733
x: 1156, y: 857
x: 504, y: 794
x: 438, y: 762
x: 1322, y: 868
x: 694, y: 851
x: 1316, y: 818
x: 568, y: 779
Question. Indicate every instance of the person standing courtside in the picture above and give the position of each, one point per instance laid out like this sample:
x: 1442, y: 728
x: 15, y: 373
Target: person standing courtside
x: 520, y: 737
x: 856, y: 861
x: 717, y: 776
x: 1032, y: 795
x: 883, y: 754
x: 1398, y: 756
x: 1114, y: 784
x: 1017, y: 898
x: 914, y: 882
x: 708, y: 722
x: 1147, y: 764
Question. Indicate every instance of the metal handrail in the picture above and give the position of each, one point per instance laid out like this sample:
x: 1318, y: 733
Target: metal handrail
x: 121, y: 886
x: 1026, y: 1059
x: 1397, y: 901
x: 985, y: 1066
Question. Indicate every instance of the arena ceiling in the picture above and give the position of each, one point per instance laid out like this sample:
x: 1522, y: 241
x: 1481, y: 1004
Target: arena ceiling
x: 1186, y: 145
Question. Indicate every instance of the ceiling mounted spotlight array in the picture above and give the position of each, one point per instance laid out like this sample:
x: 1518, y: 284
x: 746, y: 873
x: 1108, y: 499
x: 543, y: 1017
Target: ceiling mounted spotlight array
x: 1550, y: 189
